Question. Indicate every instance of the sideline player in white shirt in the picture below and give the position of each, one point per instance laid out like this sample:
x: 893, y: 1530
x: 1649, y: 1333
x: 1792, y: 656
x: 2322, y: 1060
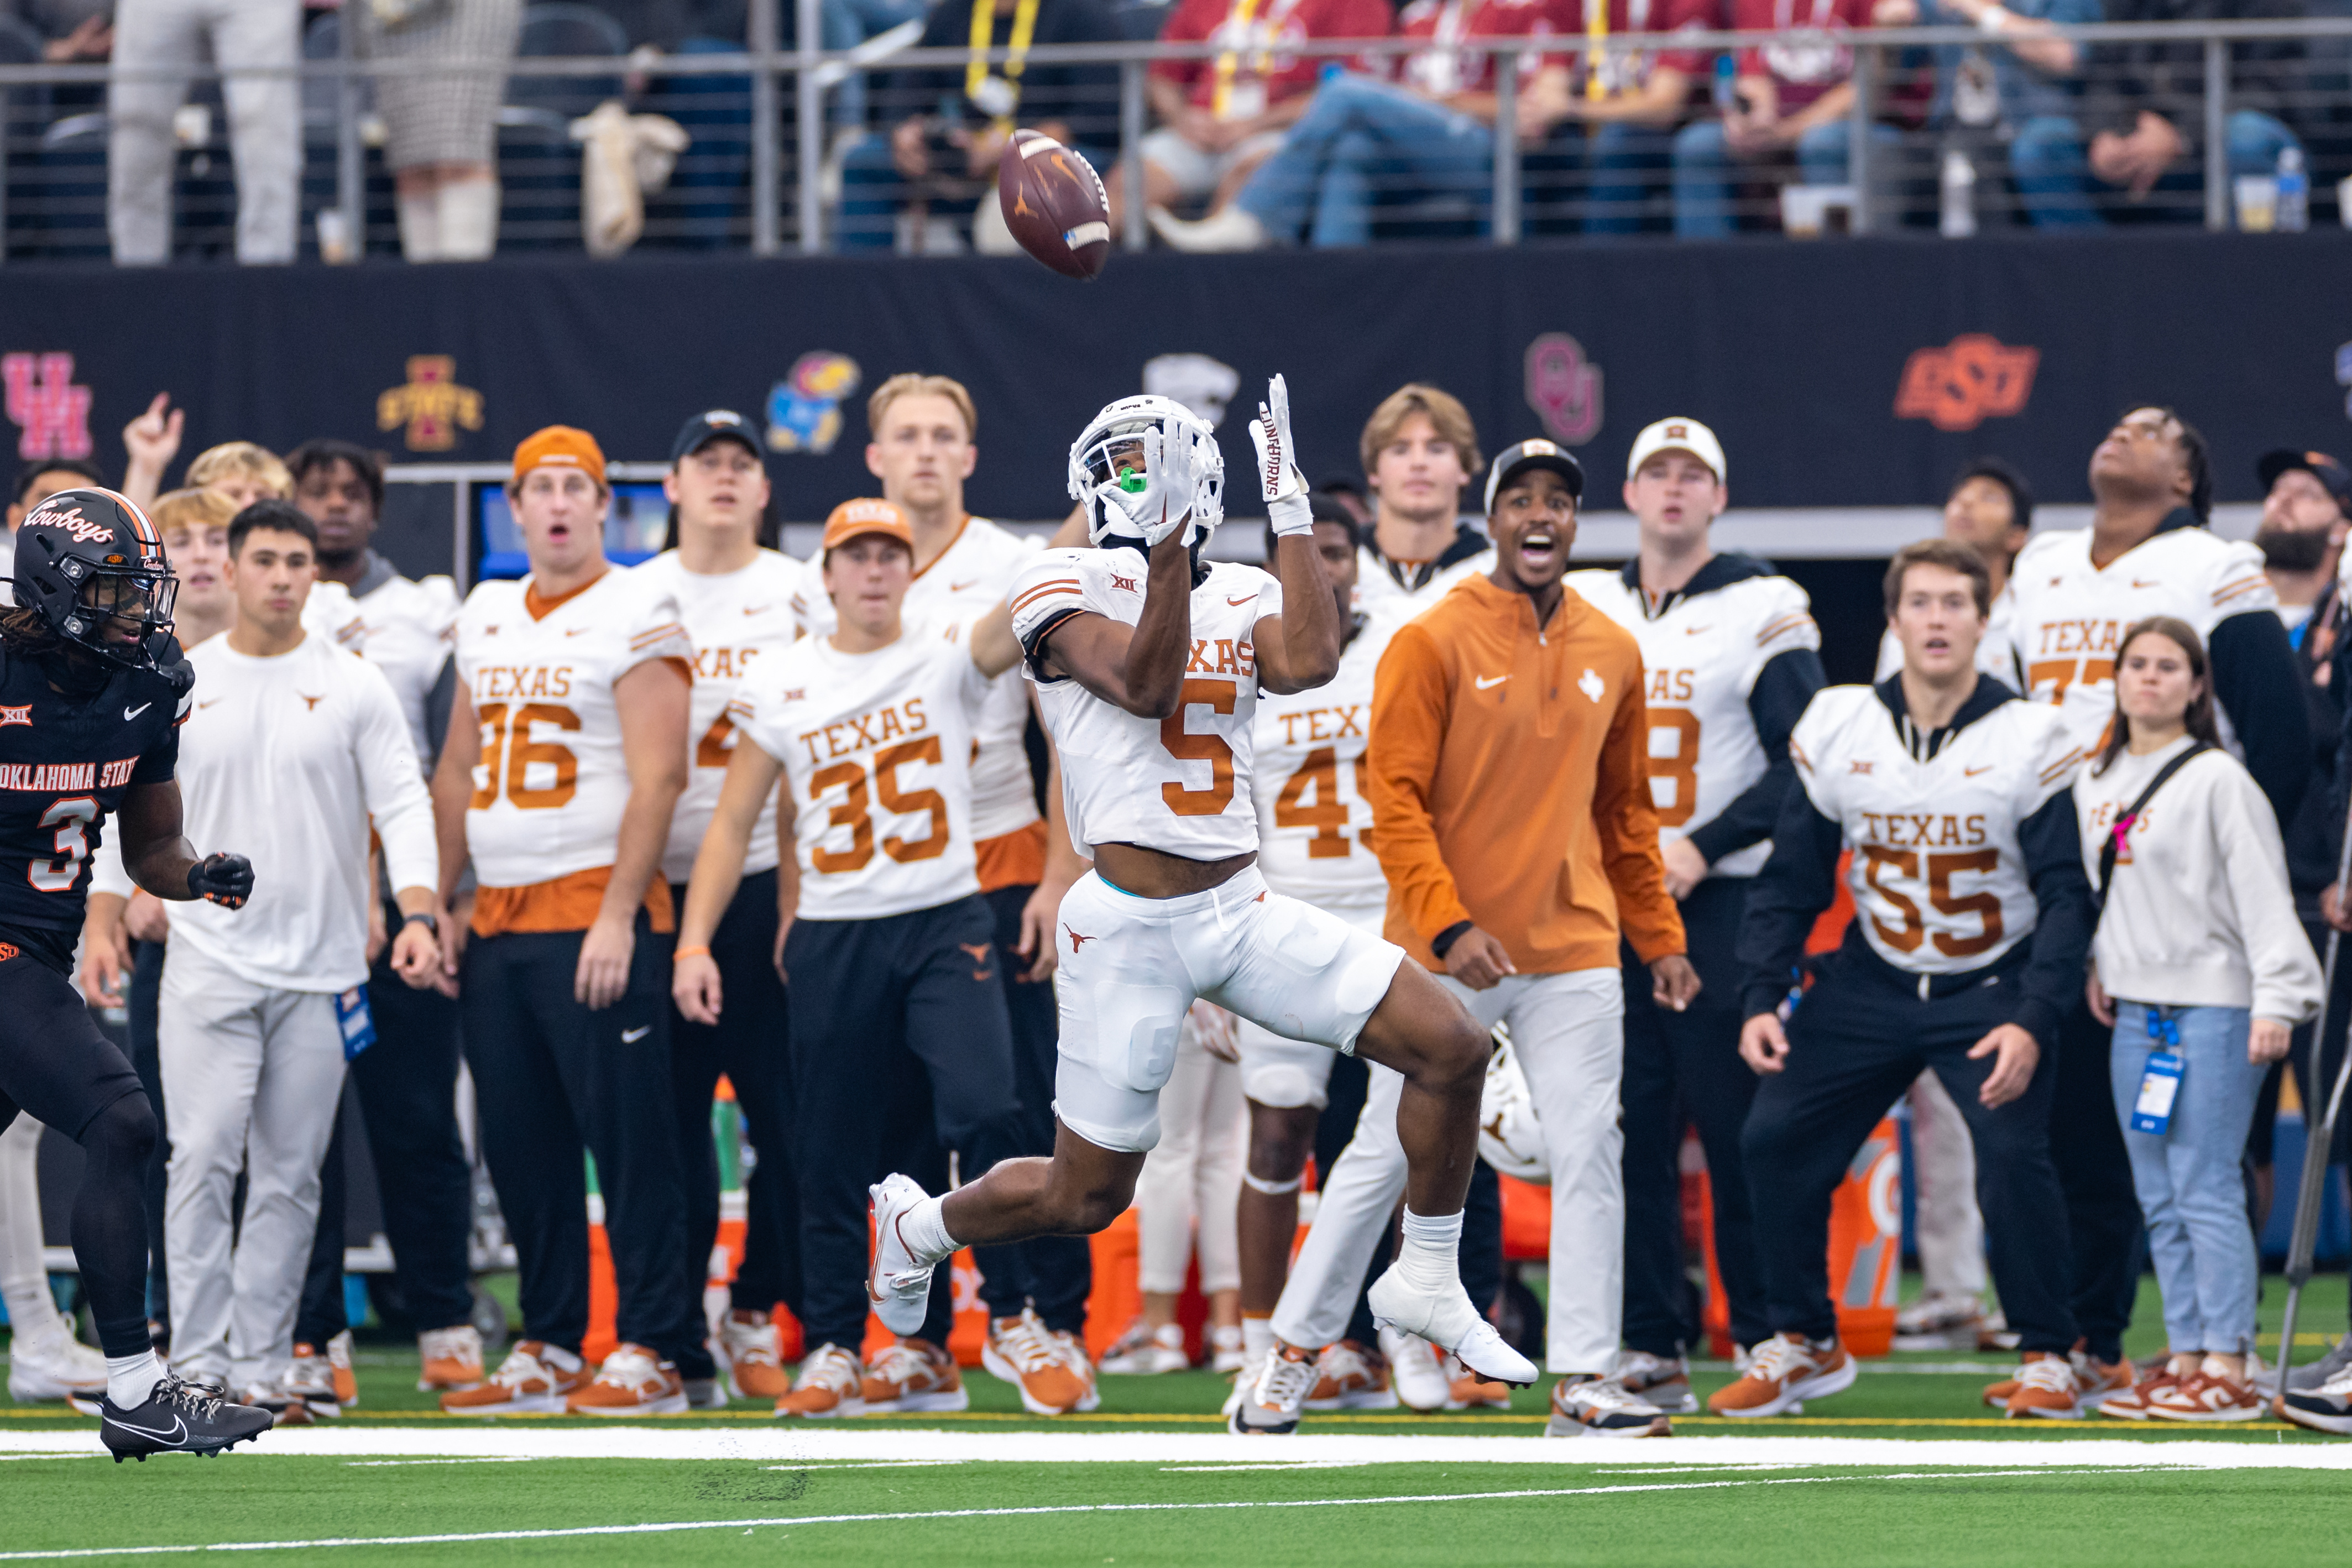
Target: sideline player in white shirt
x: 1973, y: 918
x: 735, y: 597
x: 297, y: 747
x: 872, y: 724
x: 565, y: 756
x: 1419, y: 450
x: 1732, y: 657
x: 2146, y: 553
x: 924, y: 447
x: 1129, y: 645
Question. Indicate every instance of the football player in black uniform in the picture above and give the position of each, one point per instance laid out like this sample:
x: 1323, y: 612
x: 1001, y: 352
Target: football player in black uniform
x: 89, y: 673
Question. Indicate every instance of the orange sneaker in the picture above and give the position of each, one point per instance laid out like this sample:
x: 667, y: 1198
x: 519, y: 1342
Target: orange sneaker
x: 1073, y: 1351
x: 311, y: 1380
x: 448, y: 1358
x: 1023, y: 1352
x: 532, y: 1381
x: 755, y: 1368
x: 2093, y: 1379
x: 1465, y: 1390
x: 2208, y: 1394
x: 828, y: 1387
x: 1351, y: 1376
x: 339, y: 1368
x: 2046, y: 1388
x: 913, y: 1376
x: 2131, y: 1404
x: 1787, y: 1370
x: 632, y: 1380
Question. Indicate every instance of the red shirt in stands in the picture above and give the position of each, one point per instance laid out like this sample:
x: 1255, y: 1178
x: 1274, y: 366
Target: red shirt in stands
x: 1259, y: 72
x: 1803, y: 69
x: 1443, y: 71
x: 1624, y: 72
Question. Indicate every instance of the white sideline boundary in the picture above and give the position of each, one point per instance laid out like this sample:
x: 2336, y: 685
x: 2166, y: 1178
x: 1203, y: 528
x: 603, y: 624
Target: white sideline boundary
x: 805, y: 1444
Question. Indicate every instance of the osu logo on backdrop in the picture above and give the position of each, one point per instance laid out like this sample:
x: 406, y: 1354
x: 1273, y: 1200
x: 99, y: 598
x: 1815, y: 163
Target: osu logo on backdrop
x: 42, y: 400
x: 805, y: 408
x: 1973, y: 378
x: 431, y: 405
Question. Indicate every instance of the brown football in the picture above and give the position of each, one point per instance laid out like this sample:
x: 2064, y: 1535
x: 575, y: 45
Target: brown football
x: 1055, y: 205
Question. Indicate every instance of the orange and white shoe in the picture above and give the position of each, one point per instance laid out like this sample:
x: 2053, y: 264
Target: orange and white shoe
x: 1270, y: 1402
x: 1789, y: 1369
x: 1025, y: 1353
x: 536, y: 1379
x: 828, y: 1386
x: 448, y: 1359
x: 2208, y: 1394
x: 1351, y: 1376
x: 339, y: 1370
x: 632, y: 1380
x: 313, y: 1380
x: 2046, y: 1389
x: 1465, y: 1390
x: 1603, y: 1407
x: 755, y: 1368
x: 1073, y: 1348
x: 2131, y: 1404
x: 913, y: 1376
x: 2093, y: 1379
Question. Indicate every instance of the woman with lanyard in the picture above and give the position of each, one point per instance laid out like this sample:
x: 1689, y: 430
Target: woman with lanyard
x: 2202, y: 970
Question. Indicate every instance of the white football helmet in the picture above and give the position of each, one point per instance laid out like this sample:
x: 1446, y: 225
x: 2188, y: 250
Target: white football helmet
x: 1110, y: 450
x: 1509, y: 1138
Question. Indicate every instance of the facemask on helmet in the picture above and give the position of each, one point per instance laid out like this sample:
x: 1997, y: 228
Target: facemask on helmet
x: 1108, y: 455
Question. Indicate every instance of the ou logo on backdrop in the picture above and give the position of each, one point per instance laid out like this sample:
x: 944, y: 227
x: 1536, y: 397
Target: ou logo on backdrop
x: 1564, y: 388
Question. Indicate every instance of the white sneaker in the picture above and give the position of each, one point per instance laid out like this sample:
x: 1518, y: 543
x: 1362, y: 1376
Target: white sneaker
x: 1230, y: 229
x: 1147, y: 1352
x: 898, y: 1286
x: 1939, y: 1322
x: 1663, y: 1381
x: 1600, y: 1407
x: 1446, y: 1319
x: 1271, y: 1405
x: 1244, y: 1384
x: 1225, y: 1349
x: 59, y: 1367
x: 1420, y: 1381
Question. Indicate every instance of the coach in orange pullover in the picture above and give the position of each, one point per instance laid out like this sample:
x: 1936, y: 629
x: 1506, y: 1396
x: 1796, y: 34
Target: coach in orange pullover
x: 1508, y: 775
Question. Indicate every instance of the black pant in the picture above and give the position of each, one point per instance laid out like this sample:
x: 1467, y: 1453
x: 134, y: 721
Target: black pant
x: 557, y: 1081
x: 2102, y: 1213
x: 142, y: 999
x: 885, y: 1012
x: 1054, y: 1274
x: 750, y: 1045
x: 58, y: 1069
x: 1680, y: 1068
x: 1860, y: 1037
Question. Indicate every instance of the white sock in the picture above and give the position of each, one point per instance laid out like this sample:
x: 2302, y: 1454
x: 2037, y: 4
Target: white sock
x: 469, y: 219
x: 1257, y: 1338
x: 559, y: 1358
x: 924, y: 1229
x: 130, y: 1379
x: 1431, y: 1255
x: 420, y: 226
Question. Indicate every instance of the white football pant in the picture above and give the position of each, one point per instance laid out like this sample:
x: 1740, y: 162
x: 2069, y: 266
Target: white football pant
x: 1194, y: 1176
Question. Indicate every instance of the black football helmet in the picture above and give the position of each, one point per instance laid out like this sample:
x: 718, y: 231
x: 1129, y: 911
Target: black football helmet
x: 91, y: 565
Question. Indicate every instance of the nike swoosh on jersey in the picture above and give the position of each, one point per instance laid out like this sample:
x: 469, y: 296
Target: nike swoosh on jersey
x: 757, y: 609
x: 577, y: 631
x: 631, y: 1036
x: 1971, y: 772
x: 209, y: 704
x: 1251, y: 600
x: 2138, y: 583
x: 1487, y: 682
x: 960, y: 588
x: 134, y: 713
x: 1693, y: 631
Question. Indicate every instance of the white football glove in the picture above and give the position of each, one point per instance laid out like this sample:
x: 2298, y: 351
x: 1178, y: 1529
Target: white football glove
x: 1162, y: 497
x: 1279, y: 479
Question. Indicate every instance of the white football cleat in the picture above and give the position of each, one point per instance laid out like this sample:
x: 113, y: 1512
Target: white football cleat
x: 1445, y: 1318
x: 899, y: 1287
x: 1420, y: 1382
x: 59, y: 1367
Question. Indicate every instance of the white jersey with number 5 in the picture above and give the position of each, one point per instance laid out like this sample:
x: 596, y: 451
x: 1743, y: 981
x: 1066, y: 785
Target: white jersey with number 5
x: 1938, y: 873
x: 1700, y: 659
x: 1181, y: 784
x: 877, y: 747
x: 552, y: 780
x: 1312, y: 816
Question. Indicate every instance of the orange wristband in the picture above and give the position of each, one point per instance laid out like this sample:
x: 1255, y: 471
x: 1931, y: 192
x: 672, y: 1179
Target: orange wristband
x: 690, y: 953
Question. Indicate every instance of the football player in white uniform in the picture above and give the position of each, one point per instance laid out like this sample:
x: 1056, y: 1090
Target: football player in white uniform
x: 1132, y: 645
x: 1418, y: 448
x: 1972, y: 917
x: 735, y: 597
x: 565, y: 755
x: 1732, y: 657
x: 2146, y: 553
x: 873, y: 723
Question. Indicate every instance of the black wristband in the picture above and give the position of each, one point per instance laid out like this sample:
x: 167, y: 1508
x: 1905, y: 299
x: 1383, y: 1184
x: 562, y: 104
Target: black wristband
x: 428, y: 921
x: 1445, y: 939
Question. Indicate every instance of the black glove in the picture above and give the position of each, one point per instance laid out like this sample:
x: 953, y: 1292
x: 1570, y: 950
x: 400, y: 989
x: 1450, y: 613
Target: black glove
x: 171, y: 663
x: 225, y: 880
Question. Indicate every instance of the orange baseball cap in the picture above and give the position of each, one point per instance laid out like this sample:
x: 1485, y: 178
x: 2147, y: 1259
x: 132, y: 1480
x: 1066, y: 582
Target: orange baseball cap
x: 560, y: 447
x: 855, y: 519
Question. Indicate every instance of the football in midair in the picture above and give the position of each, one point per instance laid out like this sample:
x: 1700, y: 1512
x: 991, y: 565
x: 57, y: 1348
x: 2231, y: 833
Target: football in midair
x: 1055, y: 205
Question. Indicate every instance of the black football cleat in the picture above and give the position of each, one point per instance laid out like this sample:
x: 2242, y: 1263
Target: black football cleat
x: 178, y: 1417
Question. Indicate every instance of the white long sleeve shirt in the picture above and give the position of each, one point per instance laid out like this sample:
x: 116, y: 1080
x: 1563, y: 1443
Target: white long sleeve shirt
x: 285, y: 761
x: 2199, y: 913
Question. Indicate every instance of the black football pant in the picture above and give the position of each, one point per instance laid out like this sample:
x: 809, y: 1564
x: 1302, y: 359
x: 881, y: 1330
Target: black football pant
x: 884, y: 1014
x: 1684, y: 1068
x: 2103, y: 1214
x: 141, y: 998
x: 749, y: 1045
x: 1862, y: 1035
x: 556, y: 1081
x: 57, y: 1067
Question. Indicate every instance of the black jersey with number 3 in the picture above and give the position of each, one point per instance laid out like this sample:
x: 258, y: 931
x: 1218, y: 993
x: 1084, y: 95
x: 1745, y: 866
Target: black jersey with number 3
x: 65, y: 762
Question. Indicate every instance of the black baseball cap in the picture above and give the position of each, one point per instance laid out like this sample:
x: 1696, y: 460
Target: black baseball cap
x: 2333, y: 476
x: 713, y: 424
x: 1513, y: 461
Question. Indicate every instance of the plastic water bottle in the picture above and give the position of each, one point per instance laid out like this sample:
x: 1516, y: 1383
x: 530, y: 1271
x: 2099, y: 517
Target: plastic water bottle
x: 2294, y: 192
x: 1959, y: 189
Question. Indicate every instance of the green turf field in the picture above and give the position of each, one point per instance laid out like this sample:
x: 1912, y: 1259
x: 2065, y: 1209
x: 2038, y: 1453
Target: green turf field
x: 1907, y: 1467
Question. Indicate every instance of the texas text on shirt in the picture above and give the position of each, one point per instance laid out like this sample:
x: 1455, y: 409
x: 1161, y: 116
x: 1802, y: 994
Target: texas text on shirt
x: 1729, y: 662
x: 549, y: 792
x: 1964, y: 850
x: 962, y: 582
x: 1258, y: 71
x: 1314, y: 821
x: 2071, y: 616
x: 736, y: 618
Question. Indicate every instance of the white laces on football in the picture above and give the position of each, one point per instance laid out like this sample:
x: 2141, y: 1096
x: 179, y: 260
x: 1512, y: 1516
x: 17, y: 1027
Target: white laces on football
x: 2054, y: 1373
x: 1285, y: 1383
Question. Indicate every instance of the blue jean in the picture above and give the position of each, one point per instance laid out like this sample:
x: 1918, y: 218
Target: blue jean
x: 1627, y: 163
x: 1707, y: 172
x: 2049, y: 161
x: 2192, y: 1191
x: 1359, y: 139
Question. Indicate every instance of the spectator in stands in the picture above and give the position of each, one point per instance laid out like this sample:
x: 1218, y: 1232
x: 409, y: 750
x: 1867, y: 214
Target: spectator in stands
x: 2004, y: 91
x: 158, y: 44
x: 1788, y: 100
x: 939, y: 161
x: 72, y: 32
x: 710, y: 185
x: 1364, y: 143
x: 2139, y: 131
x: 443, y: 122
x: 1220, y: 118
x: 1630, y: 108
